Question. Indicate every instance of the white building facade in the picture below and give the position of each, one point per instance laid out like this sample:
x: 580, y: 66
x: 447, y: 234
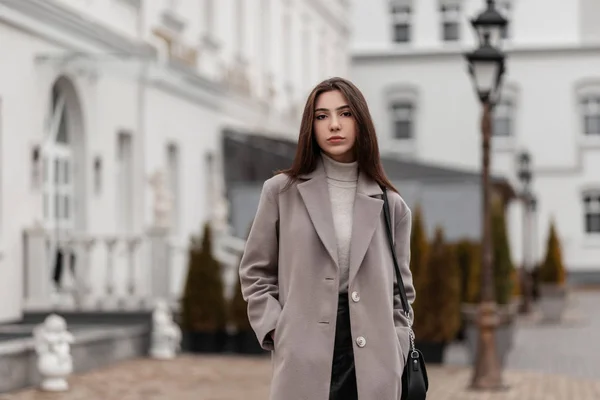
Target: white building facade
x: 408, y: 60
x: 108, y: 112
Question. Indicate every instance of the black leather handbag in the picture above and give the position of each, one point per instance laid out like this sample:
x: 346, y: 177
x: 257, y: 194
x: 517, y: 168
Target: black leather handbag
x: 414, y: 377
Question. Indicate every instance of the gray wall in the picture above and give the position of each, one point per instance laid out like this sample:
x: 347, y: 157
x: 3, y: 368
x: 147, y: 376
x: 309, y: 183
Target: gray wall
x: 454, y: 206
x: 243, y: 199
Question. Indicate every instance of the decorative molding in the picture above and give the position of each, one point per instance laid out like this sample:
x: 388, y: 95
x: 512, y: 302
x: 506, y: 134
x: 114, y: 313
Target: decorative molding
x: 133, y: 3
x: 401, y: 91
x: 172, y: 21
x: 210, y: 43
x: 72, y: 23
x: 403, y: 52
x: 330, y: 16
x: 176, y: 50
x: 587, y: 86
x: 511, y: 90
x: 451, y: 3
x: 188, y: 85
x: 406, y: 3
x: 236, y: 76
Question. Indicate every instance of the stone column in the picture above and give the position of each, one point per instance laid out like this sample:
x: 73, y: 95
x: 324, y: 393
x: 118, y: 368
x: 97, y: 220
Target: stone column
x: 160, y: 258
x: 38, y: 276
x: 84, y: 284
x: 110, y: 284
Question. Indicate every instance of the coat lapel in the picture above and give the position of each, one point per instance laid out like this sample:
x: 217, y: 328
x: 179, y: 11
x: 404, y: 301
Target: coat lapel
x: 367, y: 216
x: 315, y: 194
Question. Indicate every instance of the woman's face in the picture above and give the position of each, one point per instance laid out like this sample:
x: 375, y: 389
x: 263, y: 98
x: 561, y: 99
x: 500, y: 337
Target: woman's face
x: 335, y: 126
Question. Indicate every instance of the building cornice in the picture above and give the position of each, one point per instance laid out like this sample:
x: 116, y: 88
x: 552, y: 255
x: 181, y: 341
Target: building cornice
x: 133, y: 3
x: 331, y: 17
x: 77, y: 26
x: 184, y: 83
x: 403, y: 52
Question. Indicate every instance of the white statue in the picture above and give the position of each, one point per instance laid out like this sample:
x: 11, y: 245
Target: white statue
x: 53, y: 348
x: 163, y: 199
x: 166, y: 335
x: 220, y: 215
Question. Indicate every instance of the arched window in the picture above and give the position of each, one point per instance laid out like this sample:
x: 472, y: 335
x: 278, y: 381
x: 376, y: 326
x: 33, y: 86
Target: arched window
x: 588, y: 96
x: 590, y: 109
x: 591, y: 210
x: 402, y: 107
x: 503, y: 118
x: 61, y: 150
x: 504, y: 113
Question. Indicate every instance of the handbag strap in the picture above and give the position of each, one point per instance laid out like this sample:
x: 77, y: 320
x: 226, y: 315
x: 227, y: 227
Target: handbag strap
x: 399, y: 282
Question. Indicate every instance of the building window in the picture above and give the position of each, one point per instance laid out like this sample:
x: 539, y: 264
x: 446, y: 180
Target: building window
x: 502, y: 125
x: 173, y: 171
x: 401, y: 18
x: 125, y: 182
x: 591, y: 208
x: 402, y: 119
x: 209, y: 16
x: 505, y: 8
x: 450, y: 14
x: 591, y: 114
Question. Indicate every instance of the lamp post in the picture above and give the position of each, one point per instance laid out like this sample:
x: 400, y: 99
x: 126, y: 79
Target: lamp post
x: 486, y: 66
x: 532, y: 207
x: 525, y: 176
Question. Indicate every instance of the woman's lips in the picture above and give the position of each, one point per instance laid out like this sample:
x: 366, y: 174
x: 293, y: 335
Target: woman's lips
x: 335, y: 139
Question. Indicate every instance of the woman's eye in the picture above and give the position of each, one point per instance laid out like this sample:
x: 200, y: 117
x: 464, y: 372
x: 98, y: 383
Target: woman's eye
x: 346, y: 114
x: 320, y: 117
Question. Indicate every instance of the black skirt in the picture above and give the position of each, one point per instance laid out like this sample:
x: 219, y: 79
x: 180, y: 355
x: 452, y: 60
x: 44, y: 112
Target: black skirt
x: 343, y: 374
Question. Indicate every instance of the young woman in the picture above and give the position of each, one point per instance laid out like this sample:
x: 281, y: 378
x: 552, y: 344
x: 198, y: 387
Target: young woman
x: 317, y: 271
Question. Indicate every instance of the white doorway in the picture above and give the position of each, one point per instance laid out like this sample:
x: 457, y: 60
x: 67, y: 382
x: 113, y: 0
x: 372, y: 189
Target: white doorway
x: 61, y: 144
x: 124, y: 183
x: 63, y: 186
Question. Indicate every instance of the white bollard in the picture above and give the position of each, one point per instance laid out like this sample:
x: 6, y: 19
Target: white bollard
x: 166, y: 335
x: 53, y: 348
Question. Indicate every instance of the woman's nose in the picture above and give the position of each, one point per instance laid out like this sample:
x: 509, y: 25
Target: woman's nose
x: 335, y: 124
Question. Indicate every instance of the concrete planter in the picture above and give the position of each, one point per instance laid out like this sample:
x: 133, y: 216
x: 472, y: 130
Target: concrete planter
x: 552, y: 302
x: 245, y: 342
x: 504, y: 331
x: 433, y: 352
x: 95, y: 347
x: 204, y: 342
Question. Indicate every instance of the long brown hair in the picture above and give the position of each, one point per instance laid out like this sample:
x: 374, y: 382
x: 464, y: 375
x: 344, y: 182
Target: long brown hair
x: 366, y: 148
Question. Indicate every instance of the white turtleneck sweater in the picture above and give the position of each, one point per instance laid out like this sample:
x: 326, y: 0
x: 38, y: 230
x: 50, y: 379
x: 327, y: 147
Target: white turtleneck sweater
x: 342, y: 179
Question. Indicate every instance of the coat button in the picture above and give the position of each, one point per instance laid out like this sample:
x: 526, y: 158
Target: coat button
x: 361, y: 341
x: 355, y: 297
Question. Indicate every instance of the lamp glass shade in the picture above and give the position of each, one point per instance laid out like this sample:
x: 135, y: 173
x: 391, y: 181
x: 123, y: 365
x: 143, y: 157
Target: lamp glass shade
x: 485, y: 74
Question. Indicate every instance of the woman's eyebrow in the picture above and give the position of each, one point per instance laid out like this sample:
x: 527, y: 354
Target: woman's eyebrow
x: 337, y: 109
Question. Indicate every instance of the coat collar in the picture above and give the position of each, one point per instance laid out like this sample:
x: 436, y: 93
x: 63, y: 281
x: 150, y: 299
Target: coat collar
x: 366, y: 216
x: 365, y: 184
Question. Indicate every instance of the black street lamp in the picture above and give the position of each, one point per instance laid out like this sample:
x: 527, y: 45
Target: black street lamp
x: 525, y: 176
x: 486, y: 66
x: 491, y: 22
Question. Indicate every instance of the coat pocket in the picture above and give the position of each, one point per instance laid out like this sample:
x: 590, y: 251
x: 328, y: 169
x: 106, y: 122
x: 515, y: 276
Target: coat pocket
x: 278, y: 330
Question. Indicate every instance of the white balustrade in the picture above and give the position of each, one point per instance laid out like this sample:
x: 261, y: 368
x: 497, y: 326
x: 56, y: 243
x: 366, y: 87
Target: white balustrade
x: 133, y: 291
x: 228, y: 250
x: 103, y: 272
x: 178, y: 265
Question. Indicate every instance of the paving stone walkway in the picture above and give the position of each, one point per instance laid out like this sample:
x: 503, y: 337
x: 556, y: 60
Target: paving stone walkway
x: 570, y: 348
x: 233, y: 378
x: 548, y: 362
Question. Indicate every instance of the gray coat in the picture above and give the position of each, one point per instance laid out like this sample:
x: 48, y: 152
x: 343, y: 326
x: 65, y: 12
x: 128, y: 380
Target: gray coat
x: 289, y: 278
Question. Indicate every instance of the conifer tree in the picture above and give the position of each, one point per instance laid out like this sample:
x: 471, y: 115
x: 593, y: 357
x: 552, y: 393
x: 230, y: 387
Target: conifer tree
x: 203, y: 305
x: 553, y: 270
x: 438, y: 317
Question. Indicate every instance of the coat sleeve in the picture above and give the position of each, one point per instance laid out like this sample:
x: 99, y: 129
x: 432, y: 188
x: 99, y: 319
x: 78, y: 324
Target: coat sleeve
x: 258, y: 269
x: 402, y: 232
